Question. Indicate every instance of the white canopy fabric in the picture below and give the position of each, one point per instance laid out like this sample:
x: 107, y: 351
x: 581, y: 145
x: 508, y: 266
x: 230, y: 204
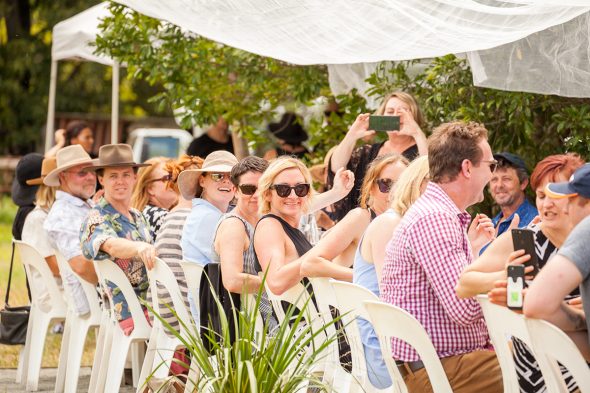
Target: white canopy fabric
x: 73, y: 37
x: 349, y: 32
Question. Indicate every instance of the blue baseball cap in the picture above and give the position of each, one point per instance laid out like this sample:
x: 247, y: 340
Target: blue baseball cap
x: 579, y: 184
x: 512, y: 159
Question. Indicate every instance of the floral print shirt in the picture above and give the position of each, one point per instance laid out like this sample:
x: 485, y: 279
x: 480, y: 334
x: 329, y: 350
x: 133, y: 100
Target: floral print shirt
x: 104, y: 222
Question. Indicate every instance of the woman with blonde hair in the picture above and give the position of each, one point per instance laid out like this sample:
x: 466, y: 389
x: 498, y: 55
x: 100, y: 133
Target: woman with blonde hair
x: 152, y: 195
x: 340, y: 243
x: 368, y: 260
x: 409, y: 141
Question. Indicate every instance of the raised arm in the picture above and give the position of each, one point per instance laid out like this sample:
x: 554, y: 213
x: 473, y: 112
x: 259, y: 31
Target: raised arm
x: 342, y: 152
x: 269, y: 243
x: 230, y: 243
x: 343, y: 183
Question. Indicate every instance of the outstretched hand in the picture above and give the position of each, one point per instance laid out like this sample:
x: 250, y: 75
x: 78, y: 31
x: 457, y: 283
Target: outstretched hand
x: 360, y: 128
x: 481, y: 231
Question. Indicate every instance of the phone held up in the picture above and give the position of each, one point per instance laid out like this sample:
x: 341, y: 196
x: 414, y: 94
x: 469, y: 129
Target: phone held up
x: 384, y: 123
x: 524, y: 239
x: 514, y: 298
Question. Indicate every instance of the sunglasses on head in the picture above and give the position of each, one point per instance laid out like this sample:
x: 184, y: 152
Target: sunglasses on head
x: 217, y: 177
x: 248, y: 189
x: 384, y: 184
x: 284, y: 190
x: 164, y: 179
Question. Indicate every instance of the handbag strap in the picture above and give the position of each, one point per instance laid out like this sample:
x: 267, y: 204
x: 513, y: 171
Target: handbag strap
x: 9, y: 276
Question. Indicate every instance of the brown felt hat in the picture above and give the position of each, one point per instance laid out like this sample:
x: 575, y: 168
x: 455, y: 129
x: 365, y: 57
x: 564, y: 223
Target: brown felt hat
x: 66, y: 158
x: 47, y: 166
x: 115, y: 156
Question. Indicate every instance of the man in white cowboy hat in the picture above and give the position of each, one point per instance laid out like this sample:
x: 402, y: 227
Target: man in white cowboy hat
x: 72, y: 203
x: 211, y: 192
x: 116, y: 231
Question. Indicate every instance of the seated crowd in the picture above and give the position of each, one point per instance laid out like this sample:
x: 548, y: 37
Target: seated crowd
x: 402, y: 231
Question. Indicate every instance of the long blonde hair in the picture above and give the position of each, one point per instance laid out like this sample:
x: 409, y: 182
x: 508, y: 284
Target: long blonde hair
x: 45, y: 197
x: 277, y: 166
x: 140, y: 197
x: 407, y: 99
x: 373, y: 172
x: 407, y: 189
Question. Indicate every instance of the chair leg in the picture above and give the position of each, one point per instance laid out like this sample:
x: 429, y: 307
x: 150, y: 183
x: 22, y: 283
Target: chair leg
x: 104, y: 363
x: 98, y: 354
x: 148, y: 361
x: 137, y: 359
x: 36, y: 351
x: 75, y: 351
x: 23, y: 360
x: 63, y: 364
x: 116, y: 363
x: 193, y: 375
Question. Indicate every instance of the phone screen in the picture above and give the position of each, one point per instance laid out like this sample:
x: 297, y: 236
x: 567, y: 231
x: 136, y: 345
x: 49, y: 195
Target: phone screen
x: 384, y: 123
x: 524, y: 239
x: 515, y: 286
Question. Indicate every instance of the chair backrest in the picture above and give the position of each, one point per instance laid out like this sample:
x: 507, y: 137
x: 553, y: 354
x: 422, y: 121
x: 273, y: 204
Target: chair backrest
x: 34, y: 262
x: 88, y: 288
x: 163, y: 275
x: 109, y: 271
x: 392, y: 322
x: 192, y: 273
x: 552, y: 345
x: 350, y: 299
x: 503, y: 323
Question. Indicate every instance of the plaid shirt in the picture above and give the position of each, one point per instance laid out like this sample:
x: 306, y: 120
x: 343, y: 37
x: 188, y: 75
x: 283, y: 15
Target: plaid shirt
x: 423, y: 261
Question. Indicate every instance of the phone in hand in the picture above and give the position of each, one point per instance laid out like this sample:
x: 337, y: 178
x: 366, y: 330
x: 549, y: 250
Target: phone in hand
x: 524, y: 239
x: 384, y: 123
x: 515, y: 286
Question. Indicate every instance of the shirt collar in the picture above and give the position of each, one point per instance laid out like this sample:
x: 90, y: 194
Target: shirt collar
x: 436, y: 192
x: 74, y: 200
x: 525, y: 205
x: 202, y: 202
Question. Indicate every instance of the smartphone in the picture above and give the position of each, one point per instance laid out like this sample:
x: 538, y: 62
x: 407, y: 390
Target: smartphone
x: 524, y: 239
x: 384, y: 123
x: 515, y: 287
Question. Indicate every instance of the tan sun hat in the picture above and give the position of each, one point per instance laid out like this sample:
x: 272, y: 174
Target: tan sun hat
x: 219, y: 161
x: 66, y: 158
x: 115, y: 156
x: 47, y: 166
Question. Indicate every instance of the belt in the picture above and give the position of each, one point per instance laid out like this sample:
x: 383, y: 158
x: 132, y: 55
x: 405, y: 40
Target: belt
x: 406, y: 368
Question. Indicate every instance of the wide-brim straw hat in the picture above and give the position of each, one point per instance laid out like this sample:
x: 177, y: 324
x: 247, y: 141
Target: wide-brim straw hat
x: 116, y: 156
x: 66, y: 158
x: 47, y: 166
x: 220, y: 161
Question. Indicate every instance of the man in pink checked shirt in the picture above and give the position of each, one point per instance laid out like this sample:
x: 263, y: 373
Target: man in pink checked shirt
x: 428, y: 251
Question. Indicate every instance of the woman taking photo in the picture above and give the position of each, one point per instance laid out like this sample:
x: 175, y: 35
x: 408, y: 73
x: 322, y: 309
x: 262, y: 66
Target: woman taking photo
x: 409, y: 141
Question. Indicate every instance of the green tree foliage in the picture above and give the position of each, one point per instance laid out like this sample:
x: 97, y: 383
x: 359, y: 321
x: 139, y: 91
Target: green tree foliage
x: 204, y: 79
x: 25, y: 61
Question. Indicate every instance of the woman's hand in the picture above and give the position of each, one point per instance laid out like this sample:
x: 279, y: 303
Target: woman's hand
x: 60, y: 137
x: 360, y: 128
x: 499, y: 294
x: 519, y: 257
x: 409, y: 126
x: 343, y: 182
x: 480, y: 232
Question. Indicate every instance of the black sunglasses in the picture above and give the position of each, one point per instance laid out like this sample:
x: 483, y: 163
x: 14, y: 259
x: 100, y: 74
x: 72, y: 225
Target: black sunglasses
x: 284, y: 190
x: 384, y: 185
x: 248, y: 189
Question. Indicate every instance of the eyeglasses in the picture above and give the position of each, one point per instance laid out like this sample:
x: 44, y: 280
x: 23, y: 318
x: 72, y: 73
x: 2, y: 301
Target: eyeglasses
x: 81, y: 173
x: 164, y: 179
x: 284, y: 190
x: 217, y: 177
x: 248, y: 189
x: 384, y: 185
x: 492, y: 163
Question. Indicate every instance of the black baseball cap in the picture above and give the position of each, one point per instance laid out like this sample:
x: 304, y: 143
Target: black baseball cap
x: 511, y: 158
x: 579, y: 184
x: 29, y: 167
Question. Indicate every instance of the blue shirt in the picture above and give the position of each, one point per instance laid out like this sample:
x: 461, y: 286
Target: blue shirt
x: 526, y: 211
x: 199, y: 231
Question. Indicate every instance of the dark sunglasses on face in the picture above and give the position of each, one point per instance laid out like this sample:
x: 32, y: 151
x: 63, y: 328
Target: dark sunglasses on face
x: 248, y: 189
x: 164, y: 179
x: 217, y: 177
x: 384, y: 185
x: 284, y: 190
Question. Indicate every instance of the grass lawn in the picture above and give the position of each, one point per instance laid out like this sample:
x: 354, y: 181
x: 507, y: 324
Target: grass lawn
x: 18, y: 296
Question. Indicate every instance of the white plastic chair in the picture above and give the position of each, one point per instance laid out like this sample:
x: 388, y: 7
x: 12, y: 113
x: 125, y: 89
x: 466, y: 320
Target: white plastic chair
x: 392, y: 322
x: 120, y: 344
x: 350, y: 299
x: 161, y: 346
x: 75, y: 332
x: 551, y: 346
x: 503, y: 323
x: 324, y: 296
x: 192, y: 273
x: 298, y: 296
x: 39, y: 320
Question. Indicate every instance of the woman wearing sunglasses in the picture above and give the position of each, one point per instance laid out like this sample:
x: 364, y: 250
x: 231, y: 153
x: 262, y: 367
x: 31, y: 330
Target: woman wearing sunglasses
x: 285, y: 194
x: 211, y: 192
x: 152, y: 194
x: 339, y: 244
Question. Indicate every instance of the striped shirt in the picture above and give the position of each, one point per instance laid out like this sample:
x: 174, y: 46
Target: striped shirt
x: 423, y: 261
x: 170, y: 251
